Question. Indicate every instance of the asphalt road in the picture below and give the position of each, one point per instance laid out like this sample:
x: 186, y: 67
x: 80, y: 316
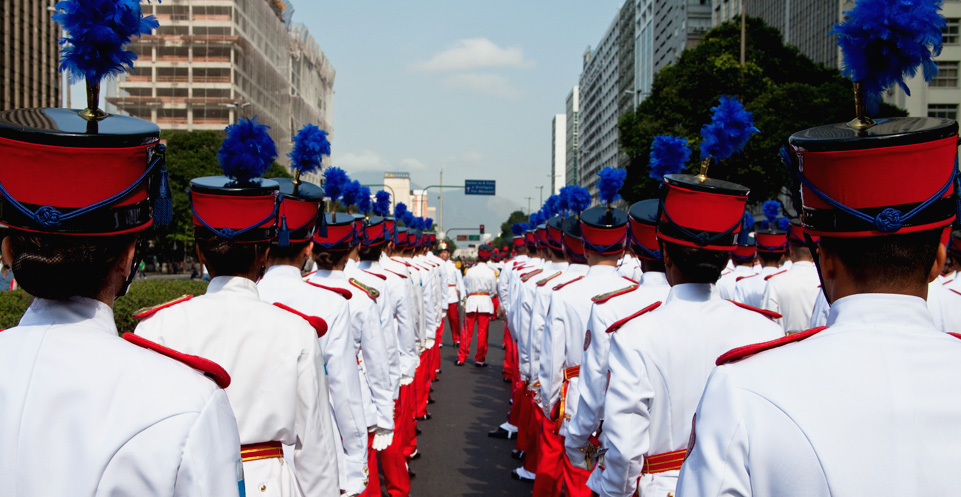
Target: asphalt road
x: 458, y: 457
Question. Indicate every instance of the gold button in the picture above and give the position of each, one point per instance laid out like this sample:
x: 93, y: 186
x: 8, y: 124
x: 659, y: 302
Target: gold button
x: 263, y: 488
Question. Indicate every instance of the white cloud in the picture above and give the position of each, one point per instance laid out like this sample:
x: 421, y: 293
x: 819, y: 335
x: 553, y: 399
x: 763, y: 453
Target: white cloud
x: 473, y: 53
x: 367, y: 159
x: 490, y: 84
x: 413, y: 164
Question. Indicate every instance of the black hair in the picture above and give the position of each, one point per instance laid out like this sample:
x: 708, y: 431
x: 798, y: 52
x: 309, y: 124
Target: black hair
x: 289, y: 252
x: 801, y: 249
x: 652, y: 265
x: 770, y: 257
x: 327, y: 259
x: 887, y: 261
x: 57, y: 267
x: 557, y: 253
x: 696, y: 264
x: 371, y: 252
x: 227, y: 257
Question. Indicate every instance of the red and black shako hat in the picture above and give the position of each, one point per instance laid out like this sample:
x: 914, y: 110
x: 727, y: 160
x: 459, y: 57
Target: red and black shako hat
x: 880, y: 177
x: 340, y: 232
x: 239, y: 206
x: 303, y: 202
x: 603, y: 227
x: 85, y: 172
x: 642, y: 230
x: 573, y: 245
x: 484, y: 252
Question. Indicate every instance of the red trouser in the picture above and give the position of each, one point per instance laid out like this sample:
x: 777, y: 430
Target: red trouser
x: 533, y: 453
x: 575, y: 479
x: 550, y: 449
x: 497, y: 304
x: 422, y: 383
x: 411, y: 428
x: 373, y: 478
x: 510, y: 355
x: 435, y: 352
x: 392, y: 458
x: 483, y: 323
x: 453, y: 317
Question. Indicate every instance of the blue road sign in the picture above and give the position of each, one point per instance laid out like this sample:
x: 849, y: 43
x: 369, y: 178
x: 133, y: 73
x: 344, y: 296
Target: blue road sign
x: 479, y: 187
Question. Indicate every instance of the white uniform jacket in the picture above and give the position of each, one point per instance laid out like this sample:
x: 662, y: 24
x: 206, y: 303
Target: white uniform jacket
x: 592, y: 381
x: 555, y: 273
x: 284, y: 284
x: 504, y: 281
x: 630, y: 267
x: 401, y: 290
x: 750, y: 289
x: 373, y: 275
x: 944, y: 303
x: 659, y: 364
x: 278, y: 389
x: 480, y: 284
x: 417, y: 285
x: 792, y: 295
x: 566, y: 335
x: 371, y: 346
x: 455, y: 283
x: 725, y: 284
x: 517, y: 317
x: 526, y: 282
x: 430, y: 284
x: 84, y: 413
x: 869, y: 411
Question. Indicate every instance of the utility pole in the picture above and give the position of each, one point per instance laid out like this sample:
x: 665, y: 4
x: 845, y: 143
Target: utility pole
x: 541, y: 188
x: 529, y: 205
x: 440, y: 214
x: 743, y: 36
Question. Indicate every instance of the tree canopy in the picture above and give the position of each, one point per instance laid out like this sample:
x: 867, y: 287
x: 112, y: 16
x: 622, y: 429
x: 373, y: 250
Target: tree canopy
x: 505, y: 236
x: 784, y: 89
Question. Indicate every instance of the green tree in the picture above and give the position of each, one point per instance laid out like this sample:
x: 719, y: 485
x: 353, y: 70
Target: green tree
x: 783, y: 88
x: 505, y: 236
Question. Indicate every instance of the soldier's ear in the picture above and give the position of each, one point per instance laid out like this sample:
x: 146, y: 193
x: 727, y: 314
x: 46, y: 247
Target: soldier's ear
x: 7, y: 251
x: 939, y: 259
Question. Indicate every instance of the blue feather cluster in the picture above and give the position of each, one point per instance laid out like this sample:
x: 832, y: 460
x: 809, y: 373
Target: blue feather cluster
x: 517, y: 229
x: 428, y: 223
x: 771, y: 209
x: 730, y: 128
x: 399, y: 210
x: 382, y: 203
x: 96, y: 33
x: 335, y: 180
x: 525, y: 227
x: 669, y: 154
x: 310, y: 145
x: 883, y: 41
x: 351, y: 193
x: 407, y: 218
x: 612, y: 179
x: 747, y: 223
x: 364, y: 203
x: 564, y: 200
x: 552, y: 206
x: 580, y: 199
x: 783, y: 224
x: 247, y: 152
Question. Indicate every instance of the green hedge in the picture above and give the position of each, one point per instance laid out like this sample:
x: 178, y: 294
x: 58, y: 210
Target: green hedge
x: 142, y: 293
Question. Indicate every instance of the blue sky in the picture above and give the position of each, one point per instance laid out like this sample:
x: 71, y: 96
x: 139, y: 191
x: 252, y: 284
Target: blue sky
x: 470, y: 87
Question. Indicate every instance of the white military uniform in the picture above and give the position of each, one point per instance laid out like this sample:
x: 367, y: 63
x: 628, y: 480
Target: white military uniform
x: 401, y: 292
x: 819, y: 317
x: 607, y: 311
x: 417, y: 303
x: 659, y: 364
x: 504, y: 281
x: 278, y: 388
x: 455, y: 283
x: 523, y: 296
x: 869, y: 411
x: 480, y: 283
x: 629, y: 267
x: 84, y: 413
x: 371, y: 274
x: 792, y: 294
x: 558, y: 273
x: 283, y: 284
x: 750, y: 289
x: 945, y: 306
x: 725, y: 284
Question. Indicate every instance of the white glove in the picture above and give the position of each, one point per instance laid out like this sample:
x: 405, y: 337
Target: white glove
x: 406, y: 380
x: 430, y: 343
x: 577, y: 458
x: 382, y: 438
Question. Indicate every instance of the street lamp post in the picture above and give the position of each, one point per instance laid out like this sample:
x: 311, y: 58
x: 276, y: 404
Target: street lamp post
x: 529, y: 205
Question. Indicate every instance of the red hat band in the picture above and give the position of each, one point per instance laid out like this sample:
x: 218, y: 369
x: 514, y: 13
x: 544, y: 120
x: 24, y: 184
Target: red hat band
x: 771, y: 242
x: 574, y: 249
x: 374, y: 234
x: 530, y: 240
x: 603, y: 240
x: 871, y: 192
x: 796, y: 235
x: 483, y: 254
x: 644, y: 240
x: 400, y: 237
x: 240, y: 218
x: 340, y: 234
x: 700, y: 219
x: 518, y: 241
x: 541, y: 235
x: 300, y: 218
x: 744, y: 252
x: 554, y: 237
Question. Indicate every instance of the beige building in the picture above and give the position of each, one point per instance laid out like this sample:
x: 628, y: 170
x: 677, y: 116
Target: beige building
x: 29, y: 54
x: 214, y: 61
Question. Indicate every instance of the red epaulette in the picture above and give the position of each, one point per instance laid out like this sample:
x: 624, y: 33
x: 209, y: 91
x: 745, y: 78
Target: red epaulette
x: 562, y: 285
x: 320, y: 326
x: 955, y: 335
x: 955, y: 291
x: 209, y: 368
x: 150, y: 311
x: 739, y: 278
x: 395, y: 272
x: 764, y: 312
x: 371, y: 292
x: 948, y: 281
x: 621, y: 322
x: 749, y: 350
x: 775, y: 274
x: 308, y: 275
x: 345, y: 293
x: 545, y: 280
x: 629, y: 279
x: 381, y: 276
x: 604, y: 297
x: 400, y: 262
x: 527, y: 276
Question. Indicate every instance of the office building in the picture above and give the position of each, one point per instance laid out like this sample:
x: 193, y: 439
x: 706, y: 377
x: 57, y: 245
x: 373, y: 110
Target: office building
x: 571, y: 137
x: 598, y: 147
x: 558, y: 152
x: 29, y: 54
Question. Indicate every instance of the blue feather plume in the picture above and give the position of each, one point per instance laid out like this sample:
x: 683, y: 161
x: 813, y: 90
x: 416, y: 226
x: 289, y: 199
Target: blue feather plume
x: 532, y: 218
x: 399, y: 210
x: 580, y: 199
x: 747, y: 224
x: 551, y: 206
x: 310, y: 145
x: 525, y: 227
x: 730, y: 128
x: 517, y: 229
x: 428, y: 223
x: 771, y: 209
x: 364, y: 204
x: 96, y: 33
x: 564, y: 200
x: 247, y: 152
x: 883, y: 41
x: 612, y: 179
x: 669, y: 154
x: 335, y: 179
x: 382, y: 203
x: 408, y: 219
x: 783, y: 224
x: 351, y: 193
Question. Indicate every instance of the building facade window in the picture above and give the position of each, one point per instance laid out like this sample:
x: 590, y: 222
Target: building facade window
x: 947, y: 75
x: 947, y: 111
x: 950, y: 31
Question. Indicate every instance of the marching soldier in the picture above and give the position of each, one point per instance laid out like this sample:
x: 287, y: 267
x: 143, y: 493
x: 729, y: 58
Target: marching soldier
x: 792, y: 292
x: 480, y: 284
x: 83, y: 410
x: 771, y: 249
x: 743, y: 257
x: 453, y: 292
